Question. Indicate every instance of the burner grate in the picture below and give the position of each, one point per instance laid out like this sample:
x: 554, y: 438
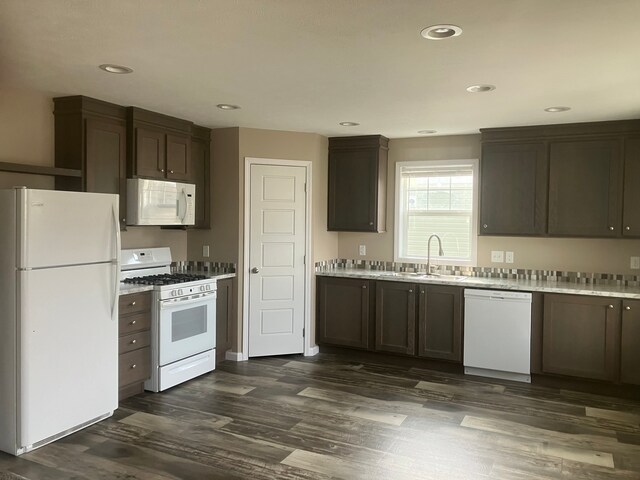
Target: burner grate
x: 165, y: 279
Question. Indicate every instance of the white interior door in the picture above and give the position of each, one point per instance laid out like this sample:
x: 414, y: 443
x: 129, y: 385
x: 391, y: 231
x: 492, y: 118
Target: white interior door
x: 276, y: 259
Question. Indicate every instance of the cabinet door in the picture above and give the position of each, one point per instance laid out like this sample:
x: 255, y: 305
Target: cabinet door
x: 440, y: 322
x: 105, y: 143
x: 200, y: 170
x: 150, y: 153
x: 353, y: 190
x: 179, y: 158
x: 395, y: 317
x: 581, y: 336
x: 631, y: 209
x: 343, y: 312
x: 585, y: 187
x: 224, y: 302
x: 630, y: 343
x: 514, y: 189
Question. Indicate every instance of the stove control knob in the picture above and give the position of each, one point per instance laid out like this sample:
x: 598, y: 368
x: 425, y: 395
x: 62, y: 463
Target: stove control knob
x: 180, y: 292
x: 173, y: 293
x: 208, y: 287
x: 202, y: 289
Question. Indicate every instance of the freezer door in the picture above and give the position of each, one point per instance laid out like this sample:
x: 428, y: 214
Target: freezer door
x: 68, y: 372
x: 66, y: 228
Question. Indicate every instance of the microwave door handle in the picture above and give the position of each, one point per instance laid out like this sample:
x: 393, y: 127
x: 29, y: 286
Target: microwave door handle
x: 186, y: 208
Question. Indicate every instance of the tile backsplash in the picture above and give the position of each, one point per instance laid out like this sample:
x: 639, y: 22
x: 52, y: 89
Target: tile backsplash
x: 211, y: 267
x: 487, y: 272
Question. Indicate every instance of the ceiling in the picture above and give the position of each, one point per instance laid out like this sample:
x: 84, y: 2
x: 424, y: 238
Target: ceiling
x: 306, y: 65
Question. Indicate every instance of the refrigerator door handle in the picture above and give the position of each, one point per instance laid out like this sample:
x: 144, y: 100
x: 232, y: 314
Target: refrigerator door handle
x: 116, y: 262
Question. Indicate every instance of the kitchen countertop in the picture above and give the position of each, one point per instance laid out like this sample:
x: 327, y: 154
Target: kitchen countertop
x: 127, y: 288
x: 490, y: 283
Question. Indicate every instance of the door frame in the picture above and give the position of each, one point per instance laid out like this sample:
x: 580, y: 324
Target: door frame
x: 309, y: 350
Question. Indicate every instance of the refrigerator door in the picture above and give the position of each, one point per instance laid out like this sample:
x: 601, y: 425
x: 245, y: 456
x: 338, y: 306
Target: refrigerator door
x: 68, y: 359
x: 66, y: 228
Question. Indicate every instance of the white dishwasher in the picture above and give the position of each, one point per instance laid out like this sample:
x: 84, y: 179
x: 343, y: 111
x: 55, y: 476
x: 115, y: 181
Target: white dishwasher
x: 497, y: 334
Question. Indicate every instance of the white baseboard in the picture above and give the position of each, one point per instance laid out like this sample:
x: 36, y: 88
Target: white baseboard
x: 313, y: 351
x: 234, y: 356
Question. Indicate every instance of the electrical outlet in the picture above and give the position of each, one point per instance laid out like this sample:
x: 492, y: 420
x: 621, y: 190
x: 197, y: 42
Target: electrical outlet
x: 362, y: 249
x: 508, y: 257
x: 205, y: 250
x: 497, y: 256
x: 635, y: 263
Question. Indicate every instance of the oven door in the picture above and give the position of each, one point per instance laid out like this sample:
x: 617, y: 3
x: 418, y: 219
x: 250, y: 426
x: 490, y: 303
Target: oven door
x: 187, y: 327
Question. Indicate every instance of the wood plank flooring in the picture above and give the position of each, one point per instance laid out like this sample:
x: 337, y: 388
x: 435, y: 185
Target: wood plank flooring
x: 336, y: 416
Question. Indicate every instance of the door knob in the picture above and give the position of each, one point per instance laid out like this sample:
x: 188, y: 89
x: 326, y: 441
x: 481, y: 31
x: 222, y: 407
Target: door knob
x: 255, y: 270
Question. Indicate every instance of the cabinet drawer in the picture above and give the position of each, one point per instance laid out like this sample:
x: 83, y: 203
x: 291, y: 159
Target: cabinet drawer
x: 134, y: 366
x: 134, y: 341
x: 135, y: 302
x: 135, y: 323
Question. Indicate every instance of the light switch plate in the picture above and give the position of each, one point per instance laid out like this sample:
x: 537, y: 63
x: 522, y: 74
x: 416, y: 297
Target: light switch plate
x: 205, y: 250
x: 508, y: 257
x: 635, y: 263
x: 497, y: 256
x: 362, y: 249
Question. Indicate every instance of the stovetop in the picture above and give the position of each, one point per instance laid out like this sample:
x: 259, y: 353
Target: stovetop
x: 165, y: 279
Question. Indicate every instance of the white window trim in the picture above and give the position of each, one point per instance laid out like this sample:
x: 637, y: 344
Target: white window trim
x: 435, y: 260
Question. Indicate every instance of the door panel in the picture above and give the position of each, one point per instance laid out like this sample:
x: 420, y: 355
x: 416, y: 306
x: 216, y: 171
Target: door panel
x: 150, y: 153
x: 179, y: 157
x: 440, y: 322
x: 630, y: 346
x: 395, y: 317
x: 67, y: 228
x: 631, y: 209
x: 69, y: 348
x: 277, y: 249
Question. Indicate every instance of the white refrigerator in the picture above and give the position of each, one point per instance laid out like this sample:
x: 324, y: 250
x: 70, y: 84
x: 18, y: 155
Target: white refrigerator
x: 59, y: 281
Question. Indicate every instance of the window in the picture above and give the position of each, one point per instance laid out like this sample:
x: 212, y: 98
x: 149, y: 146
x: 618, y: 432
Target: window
x: 436, y: 197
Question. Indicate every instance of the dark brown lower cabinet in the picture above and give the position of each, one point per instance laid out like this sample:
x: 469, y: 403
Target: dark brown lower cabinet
x: 344, y: 312
x: 396, y: 317
x: 440, y: 322
x: 134, y: 352
x: 224, y: 303
x: 630, y: 343
x: 581, y: 336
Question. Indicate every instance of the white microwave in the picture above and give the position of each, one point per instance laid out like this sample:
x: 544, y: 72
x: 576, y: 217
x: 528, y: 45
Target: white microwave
x: 158, y: 202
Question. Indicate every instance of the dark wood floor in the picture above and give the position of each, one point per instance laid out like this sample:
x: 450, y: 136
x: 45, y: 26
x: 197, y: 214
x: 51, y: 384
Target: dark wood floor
x: 333, y: 416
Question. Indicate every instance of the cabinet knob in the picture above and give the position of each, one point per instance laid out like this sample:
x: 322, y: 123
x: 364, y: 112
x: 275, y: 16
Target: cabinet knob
x: 124, y: 220
x: 364, y: 286
x: 627, y: 307
x: 170, y: 171
x: 132, y: 322
x: 610, y: 228
x: 627, y: 228
x: 410, y: 291
x: 133, y: 342
x: 162, y: 170
x: 132, y: 304
x: 485, y: 225
x: 610, y: 306
x: 422, y: 291
x: 370, y: 223
x: 133, y: 366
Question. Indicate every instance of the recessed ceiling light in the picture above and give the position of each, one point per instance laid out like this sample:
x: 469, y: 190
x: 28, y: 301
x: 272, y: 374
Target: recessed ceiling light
x: 440, y: 32
x: 349, y: 124
x: 226, y: 106
x: 426, y: 132
x: 480, y: 88
x: 557, y: 109
x: 111, y: 68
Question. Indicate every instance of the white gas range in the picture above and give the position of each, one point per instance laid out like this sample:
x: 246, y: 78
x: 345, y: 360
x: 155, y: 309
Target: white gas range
x: 183, y: 327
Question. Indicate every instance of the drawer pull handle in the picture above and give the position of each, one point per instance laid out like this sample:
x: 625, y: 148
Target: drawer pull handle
x: 627, y: 308
x: 133, y: 366
x: 132, y: 322
x: 133, y: 342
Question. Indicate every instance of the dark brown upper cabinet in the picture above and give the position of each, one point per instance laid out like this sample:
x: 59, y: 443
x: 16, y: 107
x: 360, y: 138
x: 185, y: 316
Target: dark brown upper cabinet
x: 159, y: 146
x: 631, y: 204
x: 200, y: 168
x: 513, y: 189
x: 581, y: 336
x: 630, y: 343
x: 90, y: 135
x: 585, y: 188
x: 357, y: 183
x: 440, y: 322
x: 396, y: 317
x: 344, y: 312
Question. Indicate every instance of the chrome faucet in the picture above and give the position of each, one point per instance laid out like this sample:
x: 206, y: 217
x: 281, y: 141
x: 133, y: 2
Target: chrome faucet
x: 440, y: 251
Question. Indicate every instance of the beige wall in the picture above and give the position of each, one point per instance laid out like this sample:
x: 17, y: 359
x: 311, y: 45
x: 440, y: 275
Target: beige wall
x: 589, y: 255
x: 144, y: 237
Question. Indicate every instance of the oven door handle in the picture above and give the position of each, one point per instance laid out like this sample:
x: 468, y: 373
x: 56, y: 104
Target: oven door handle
x: 166, y: 304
